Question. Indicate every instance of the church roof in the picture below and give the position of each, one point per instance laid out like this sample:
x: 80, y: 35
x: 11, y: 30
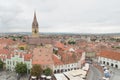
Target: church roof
x: 35, y: 23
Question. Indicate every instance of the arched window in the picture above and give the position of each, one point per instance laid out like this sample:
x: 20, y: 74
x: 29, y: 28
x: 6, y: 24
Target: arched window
x: 35, y: 31
x: 55, y: 71
x: 112, y: 64
x: 68, y: 69
x: 116, y: 66
x: 74, y: 68
x: 107, y: 63
x: 58, y: 71
x: 103, y: 62
x: 61, y: 70
x: 65, y: 70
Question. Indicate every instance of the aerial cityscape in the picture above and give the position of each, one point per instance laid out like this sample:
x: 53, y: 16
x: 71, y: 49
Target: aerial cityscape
x: 59, y: 40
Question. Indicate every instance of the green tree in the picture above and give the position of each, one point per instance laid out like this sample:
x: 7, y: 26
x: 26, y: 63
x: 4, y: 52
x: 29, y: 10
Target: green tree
x: 1, y: 64
x: 36, y: 70
x: 21, y: 68
x: 55, y: 51
x: 14, y: 39
x: 71, y: 42
x: 48, y: 72
x: 21, y: 48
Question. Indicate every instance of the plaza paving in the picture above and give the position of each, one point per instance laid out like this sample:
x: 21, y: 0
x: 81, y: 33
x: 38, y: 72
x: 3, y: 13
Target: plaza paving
x: 94, y: 73
x: 7, y: 75
x: 10, y: 76
x: 115, y: 74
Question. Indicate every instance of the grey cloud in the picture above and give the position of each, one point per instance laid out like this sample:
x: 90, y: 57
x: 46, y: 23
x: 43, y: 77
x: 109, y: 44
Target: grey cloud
x: 70, y: 15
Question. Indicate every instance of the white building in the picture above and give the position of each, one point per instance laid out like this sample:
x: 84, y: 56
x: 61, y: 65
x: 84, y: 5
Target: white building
x: 71, y: 66
x: 65, y: 67
x: 109, y: 58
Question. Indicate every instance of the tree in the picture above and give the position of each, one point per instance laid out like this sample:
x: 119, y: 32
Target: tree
x: 1, y: 64
x: 21, y: 68
x: 48, y: 71
x: 14, y: 39
x: 71, y: 42
x: 55, y: 51
x: 36, y: 70
x: 21, y: 48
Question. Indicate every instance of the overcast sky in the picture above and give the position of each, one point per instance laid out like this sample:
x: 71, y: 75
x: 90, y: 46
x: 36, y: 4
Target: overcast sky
x: 77, y: 16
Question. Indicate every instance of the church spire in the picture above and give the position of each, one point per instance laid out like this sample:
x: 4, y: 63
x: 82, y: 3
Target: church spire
x: 35, y: 28
x: 35, y: 23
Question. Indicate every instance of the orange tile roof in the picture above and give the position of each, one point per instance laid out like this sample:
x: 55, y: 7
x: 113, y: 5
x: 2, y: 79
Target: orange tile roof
x: 8, y: 56
x: 7, y: 41
x: 56, y: 60
x: 27, y: 57
x: 59, y: 45
x: 2, y: 57
x: 62, y: 46
x: 79, y: 51
x: 4, y: 51
x: 110, y: 54
x: 42, y: 56
x: 22, y: 43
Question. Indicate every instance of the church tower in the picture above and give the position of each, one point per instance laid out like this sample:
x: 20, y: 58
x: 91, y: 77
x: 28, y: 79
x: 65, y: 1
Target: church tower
x: 35, y: 28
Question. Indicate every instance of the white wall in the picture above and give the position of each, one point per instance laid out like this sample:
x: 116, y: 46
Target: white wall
x: 109, y: 61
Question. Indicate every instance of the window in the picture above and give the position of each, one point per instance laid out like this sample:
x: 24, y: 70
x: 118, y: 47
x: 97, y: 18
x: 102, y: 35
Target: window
x: 112, y: 64
x: 107, y: 63
x: 13, y: 63
x: 103, y: 62
x: 7, y: 62
x: 68, y: 65
x: 116, y: 66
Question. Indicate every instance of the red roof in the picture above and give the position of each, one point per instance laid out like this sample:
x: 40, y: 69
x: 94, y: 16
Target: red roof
x: 7, y: 41
x: 56, y: 60
x: 59, y: 45
x: 110, y: 54
x: 27, y: 57
x: 62, y: 46
x: 4, y: 51
x: 42, y: 56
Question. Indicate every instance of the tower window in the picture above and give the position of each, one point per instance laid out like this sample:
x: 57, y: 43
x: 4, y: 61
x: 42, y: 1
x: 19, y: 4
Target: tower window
x: 35, y: 31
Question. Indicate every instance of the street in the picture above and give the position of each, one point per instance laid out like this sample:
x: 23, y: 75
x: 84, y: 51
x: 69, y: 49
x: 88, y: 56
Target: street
x: 8, y: 75
x: 94, y: 74
x: 115, y: 74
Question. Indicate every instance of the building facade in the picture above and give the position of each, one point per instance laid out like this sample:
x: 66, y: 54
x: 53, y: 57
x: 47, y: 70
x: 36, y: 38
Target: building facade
x: 109, y: 58
x: 18, y: 57
x: 59, y: 68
